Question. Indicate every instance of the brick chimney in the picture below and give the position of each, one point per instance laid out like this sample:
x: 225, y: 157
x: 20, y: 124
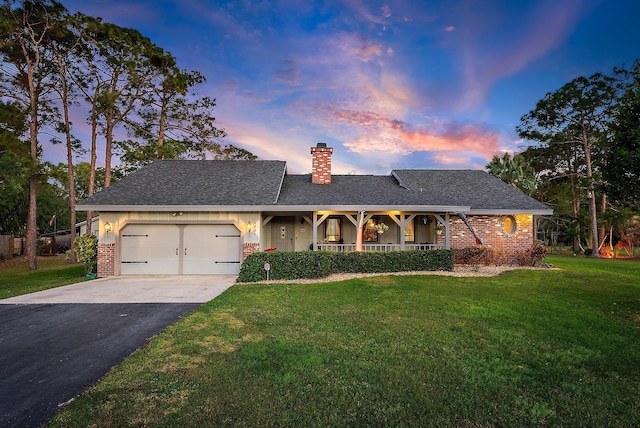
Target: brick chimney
x: 321, y: 166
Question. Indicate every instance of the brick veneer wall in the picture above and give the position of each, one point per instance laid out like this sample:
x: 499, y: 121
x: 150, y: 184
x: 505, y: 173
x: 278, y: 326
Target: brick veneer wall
x: 489, y: 229
x: 321, y: 165
x: 249, y: 248
x: 106, y: 260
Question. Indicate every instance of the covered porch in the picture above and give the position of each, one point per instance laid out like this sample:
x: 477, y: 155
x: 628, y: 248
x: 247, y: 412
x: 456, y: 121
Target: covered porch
x: 338, y: 230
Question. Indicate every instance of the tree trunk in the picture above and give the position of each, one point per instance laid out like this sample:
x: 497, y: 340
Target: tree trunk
x: 603, y: 232
x: 32, y: 210
x: 108, y: 150
x: 161, y: 130
x: 575, y: 203
x: 576, y: 239
x: 32, y: 225
x: 94, y: 158
x: 72, y: 185
x: 593, y: 223
x: 593, y: 212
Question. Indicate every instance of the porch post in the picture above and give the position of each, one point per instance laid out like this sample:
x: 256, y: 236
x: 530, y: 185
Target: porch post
x: 403, y: 224
x: 447, y: 238
x: 315, y: 231
x: 359, y: 231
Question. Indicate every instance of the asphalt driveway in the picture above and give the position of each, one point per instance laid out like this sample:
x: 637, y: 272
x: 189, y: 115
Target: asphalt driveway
x: 56, y: 343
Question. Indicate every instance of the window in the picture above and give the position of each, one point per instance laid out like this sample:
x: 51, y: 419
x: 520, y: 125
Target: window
x: 332, y: 230
x: 409, y: 232
x: 509, y: 224
x: 369, y: 234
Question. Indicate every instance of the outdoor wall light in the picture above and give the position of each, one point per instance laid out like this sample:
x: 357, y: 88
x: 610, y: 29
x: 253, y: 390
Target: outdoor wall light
x: 107, y: 227
x: 249, y: 227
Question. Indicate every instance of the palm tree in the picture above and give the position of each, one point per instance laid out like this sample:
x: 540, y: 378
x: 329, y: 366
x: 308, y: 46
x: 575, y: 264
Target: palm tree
x: 513, y: 170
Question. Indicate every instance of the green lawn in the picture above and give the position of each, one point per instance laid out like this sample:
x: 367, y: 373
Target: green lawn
x: 526, y: 348
x: 17, y: 279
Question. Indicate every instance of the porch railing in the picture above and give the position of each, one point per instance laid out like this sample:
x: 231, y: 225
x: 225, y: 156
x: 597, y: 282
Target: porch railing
x: 377, y: 247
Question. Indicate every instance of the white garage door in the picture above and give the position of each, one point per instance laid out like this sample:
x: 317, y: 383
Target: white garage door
x: 186, y: 249
x: 150, y: 249
x: 211, y: 249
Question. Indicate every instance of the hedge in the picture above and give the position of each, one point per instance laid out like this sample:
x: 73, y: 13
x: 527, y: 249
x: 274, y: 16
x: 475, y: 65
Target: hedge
x: 288, y: 265
x: 482, y: 255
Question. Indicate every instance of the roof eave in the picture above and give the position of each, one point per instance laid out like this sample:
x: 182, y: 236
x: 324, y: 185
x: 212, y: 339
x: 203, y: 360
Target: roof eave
x: 161, y: 208
x: 254, y: 208
x: 548, y: 211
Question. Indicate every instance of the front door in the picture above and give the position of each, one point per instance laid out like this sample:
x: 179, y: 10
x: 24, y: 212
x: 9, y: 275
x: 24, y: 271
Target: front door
x: 282, y: 234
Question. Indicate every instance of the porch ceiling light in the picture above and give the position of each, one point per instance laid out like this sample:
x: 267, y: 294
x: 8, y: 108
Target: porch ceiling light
x: 107, y: 227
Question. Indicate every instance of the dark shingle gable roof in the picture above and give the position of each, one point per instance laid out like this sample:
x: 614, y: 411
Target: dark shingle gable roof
x: 343, y: 190
x: 203, y: 184
x: 196, y: 182
x: 353, y: 190
x: 477, y: 189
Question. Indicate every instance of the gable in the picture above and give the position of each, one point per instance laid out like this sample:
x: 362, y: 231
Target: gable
x: 196, y: 182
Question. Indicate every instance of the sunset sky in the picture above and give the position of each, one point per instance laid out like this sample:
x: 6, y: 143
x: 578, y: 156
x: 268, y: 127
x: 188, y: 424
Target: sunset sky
x: 387, y: 84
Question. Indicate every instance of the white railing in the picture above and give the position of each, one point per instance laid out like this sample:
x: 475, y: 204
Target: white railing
x: 423, y: 246
x: 377, y: 247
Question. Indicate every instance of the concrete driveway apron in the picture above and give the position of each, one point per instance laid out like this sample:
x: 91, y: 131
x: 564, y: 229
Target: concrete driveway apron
x: 56, y: 343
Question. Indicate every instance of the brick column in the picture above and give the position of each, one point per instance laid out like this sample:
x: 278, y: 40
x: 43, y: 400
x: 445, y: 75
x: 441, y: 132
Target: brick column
x: 249, y: 248
x: 106, y: 260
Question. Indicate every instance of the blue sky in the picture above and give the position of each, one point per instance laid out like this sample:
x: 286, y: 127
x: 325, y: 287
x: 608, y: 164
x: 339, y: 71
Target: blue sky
x: 387, y: 84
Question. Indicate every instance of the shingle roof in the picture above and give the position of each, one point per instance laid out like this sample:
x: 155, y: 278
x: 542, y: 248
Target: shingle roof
x: 350, y: 190
x: 344, y: 190
x: 188, y: 183
x: 196, y: 182
x: 477, y: 189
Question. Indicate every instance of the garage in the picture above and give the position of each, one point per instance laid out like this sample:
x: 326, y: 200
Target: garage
x: 187, y: 249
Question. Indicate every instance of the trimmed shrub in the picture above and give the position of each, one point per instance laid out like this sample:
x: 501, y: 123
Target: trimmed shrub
x: 469, y: 255
x: 532, y: 255
x: 318, y: 264
x: 480, y: 255
x: 86, y: 251
x: 286, y: 265
x: 392, y: 261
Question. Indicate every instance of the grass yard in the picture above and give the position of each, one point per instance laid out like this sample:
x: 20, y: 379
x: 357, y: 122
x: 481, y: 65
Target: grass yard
x: 17, y: 279
x: 526, y: 348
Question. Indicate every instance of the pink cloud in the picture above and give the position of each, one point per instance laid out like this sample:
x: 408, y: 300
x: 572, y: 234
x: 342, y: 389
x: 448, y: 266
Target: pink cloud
x: 452, y: 160
x: 449, y: 29
x: 381, y: 133
x: 362, y: 48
